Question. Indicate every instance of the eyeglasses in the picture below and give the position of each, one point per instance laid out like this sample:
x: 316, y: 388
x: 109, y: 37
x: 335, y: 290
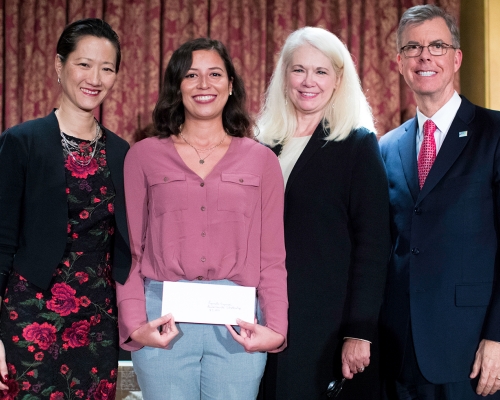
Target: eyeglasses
x: 334, y: 388
x: 436, y: 49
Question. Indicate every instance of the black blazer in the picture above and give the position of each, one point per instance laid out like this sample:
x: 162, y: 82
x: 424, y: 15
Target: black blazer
x: 33, y: 202
x: 337, y: 247
x: 443, y: 273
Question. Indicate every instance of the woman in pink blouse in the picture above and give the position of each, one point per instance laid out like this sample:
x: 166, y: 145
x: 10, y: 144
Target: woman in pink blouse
x: 205, y: 204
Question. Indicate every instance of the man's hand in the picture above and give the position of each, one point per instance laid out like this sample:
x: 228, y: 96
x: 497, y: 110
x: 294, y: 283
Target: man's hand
x: 487, y: 367
x: 355, y: 357
x: 150, y: 334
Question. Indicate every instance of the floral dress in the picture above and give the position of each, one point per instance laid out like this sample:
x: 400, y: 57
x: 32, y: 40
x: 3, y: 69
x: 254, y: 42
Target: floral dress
x: 62, y: 343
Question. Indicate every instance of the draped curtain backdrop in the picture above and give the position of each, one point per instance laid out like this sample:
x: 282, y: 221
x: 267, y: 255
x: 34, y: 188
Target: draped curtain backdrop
x: 150, y: 30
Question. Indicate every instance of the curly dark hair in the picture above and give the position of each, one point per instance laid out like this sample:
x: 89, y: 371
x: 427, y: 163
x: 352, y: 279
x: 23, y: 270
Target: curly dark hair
x: 168, y: 114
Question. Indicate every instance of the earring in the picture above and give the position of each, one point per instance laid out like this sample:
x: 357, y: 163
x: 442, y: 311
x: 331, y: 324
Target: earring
x: 286, y: 97
x: 58, y: 80
x: 230, y: 92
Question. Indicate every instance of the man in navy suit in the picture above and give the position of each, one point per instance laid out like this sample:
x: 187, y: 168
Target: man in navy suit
x: 441, y: 314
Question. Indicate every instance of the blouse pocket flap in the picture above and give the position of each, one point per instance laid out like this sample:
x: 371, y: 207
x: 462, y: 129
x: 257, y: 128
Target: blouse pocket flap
x: 241, y: 179
x: 165, y: 177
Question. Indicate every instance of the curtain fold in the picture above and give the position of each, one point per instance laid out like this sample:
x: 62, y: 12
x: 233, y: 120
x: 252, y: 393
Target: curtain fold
x: 150, y: 30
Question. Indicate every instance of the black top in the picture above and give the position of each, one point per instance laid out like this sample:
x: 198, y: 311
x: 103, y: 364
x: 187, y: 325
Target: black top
x: 33, y: 202
x: 337, y: 242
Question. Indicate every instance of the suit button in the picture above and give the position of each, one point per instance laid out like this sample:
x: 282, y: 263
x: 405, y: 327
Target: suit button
x: 417, y: 211
x: 415, y: 251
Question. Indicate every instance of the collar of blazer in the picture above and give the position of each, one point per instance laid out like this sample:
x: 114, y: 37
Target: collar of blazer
x: 312, y: 146
x: 451, y: 149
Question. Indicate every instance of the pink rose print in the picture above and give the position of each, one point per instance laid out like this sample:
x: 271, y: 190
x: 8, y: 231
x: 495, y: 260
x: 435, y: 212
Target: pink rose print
x: 84, y: 301
x: 80, y: 171
x: 43, y: 335
x: 57, y: 396
x: 77, y: 335
x: 82, y: 277
x: 84, y: 214
x: 12, y: 392
x: 63, y: 300
x: 105, y: 390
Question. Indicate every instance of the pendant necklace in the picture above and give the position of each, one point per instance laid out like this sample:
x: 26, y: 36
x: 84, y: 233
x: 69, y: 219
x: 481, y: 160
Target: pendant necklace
x: 71, y: 147
x: 198, y: 151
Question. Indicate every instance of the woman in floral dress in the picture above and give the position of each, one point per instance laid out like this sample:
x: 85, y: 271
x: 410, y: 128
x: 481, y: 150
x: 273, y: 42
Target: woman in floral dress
x: 63, y: 233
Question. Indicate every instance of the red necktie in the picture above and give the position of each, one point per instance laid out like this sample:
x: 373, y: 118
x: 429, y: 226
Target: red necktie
x: 427, y: 153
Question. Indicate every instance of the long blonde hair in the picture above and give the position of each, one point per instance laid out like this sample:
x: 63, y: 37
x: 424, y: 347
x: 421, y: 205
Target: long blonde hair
x: 346, y: 110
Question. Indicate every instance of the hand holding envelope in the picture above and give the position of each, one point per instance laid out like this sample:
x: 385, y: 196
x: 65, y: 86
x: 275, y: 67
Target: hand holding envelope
x: 150, y: 334
x: 255, y: 337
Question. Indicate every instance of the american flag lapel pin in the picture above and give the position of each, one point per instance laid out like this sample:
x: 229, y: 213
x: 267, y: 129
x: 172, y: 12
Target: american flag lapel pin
x: 462, y: 134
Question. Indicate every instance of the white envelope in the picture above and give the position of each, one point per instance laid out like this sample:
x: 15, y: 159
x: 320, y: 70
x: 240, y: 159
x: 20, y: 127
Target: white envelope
x: 203, y: 303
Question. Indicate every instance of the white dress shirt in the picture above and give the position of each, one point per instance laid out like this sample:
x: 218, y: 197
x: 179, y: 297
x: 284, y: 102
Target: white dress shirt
x: 442, y: 118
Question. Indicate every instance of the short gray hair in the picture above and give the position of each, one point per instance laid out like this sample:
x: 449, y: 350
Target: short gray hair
x: 419, y: 14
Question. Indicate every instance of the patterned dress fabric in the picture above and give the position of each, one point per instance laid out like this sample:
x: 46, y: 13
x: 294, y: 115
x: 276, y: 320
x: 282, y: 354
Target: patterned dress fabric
x: 62, y: 343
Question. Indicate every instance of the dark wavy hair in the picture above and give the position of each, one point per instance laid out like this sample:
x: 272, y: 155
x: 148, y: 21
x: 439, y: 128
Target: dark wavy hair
x: 168, y: 114
x: 72, y: 34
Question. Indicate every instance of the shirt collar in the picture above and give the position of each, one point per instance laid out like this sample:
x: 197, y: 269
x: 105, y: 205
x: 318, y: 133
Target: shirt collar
x: 444, y: 116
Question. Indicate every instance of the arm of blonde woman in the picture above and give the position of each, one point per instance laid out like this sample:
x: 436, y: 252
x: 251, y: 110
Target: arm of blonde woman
x: 157, y: 333
x: 255, y: 337
x: 355, y: 357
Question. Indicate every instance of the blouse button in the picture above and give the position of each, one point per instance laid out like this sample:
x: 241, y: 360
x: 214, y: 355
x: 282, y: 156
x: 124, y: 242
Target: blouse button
x: 203, y: 234
x: 202, y: 184
x: 200, y: 278
x: 241, y: 180
x: 203, y: 259
x: 202, y: 208
x: 165, y: 179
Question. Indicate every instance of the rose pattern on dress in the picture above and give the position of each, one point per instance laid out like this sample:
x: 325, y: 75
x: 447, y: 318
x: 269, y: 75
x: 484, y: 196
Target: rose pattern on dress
x: 63, y: 300
x: 78, y: 334
x: 81, y: 171
x: 43, y: 335
x: 66, y: 336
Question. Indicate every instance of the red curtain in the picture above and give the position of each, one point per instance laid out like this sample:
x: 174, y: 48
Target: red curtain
x: 150, y: 30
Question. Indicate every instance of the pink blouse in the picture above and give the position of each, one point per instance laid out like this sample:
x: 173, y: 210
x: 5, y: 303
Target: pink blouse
x: 226, y: 226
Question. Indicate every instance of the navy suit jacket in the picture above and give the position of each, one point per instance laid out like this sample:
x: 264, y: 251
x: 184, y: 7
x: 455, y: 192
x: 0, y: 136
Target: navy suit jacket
x: 443, y: 273
x: 34, y: 205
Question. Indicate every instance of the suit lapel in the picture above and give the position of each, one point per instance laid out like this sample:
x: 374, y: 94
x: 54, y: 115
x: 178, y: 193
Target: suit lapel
x: 316, y: 141
x: 408, y: 154
x: 451, y: 148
